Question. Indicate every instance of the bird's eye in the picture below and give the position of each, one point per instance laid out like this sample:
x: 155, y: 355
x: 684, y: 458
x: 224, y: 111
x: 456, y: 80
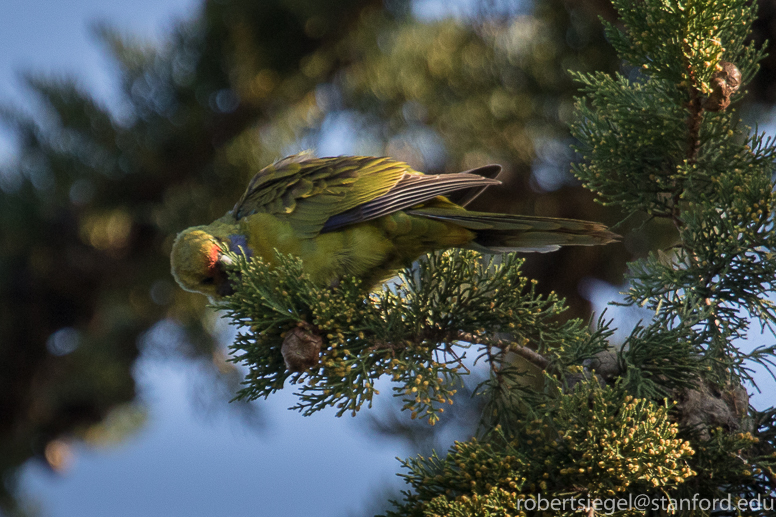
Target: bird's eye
x: 208, y: 280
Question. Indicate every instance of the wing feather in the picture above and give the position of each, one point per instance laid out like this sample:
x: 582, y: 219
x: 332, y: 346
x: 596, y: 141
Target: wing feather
x: 319, y: 195
x: 411, y: 190
x: 307, y: 191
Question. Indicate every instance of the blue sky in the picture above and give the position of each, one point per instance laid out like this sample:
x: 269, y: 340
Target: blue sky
x: 54, y: 37
x: 185, y: 464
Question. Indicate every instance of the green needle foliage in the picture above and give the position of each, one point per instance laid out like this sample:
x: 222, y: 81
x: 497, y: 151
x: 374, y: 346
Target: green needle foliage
x: 649, y: 144
x: 594, y: 442
x: 664, y: 414
x: 416, y: 330
x: 91, y: 202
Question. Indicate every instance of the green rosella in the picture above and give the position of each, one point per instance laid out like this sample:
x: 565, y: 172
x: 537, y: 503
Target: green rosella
x: 361, y: 216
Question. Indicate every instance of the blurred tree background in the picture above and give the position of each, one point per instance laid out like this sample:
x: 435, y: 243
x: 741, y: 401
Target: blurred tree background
x: 93, y: 198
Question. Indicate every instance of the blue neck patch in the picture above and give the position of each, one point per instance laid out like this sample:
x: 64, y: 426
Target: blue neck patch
x: 237, y: 242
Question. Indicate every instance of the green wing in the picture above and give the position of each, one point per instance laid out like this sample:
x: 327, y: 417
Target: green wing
x: 318, y: 195
x: 307, y: 191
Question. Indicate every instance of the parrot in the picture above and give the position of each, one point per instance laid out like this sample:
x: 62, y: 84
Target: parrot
x: 363, y: 216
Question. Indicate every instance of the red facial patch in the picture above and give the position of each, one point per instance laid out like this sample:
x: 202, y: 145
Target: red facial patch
x: 212, y: 258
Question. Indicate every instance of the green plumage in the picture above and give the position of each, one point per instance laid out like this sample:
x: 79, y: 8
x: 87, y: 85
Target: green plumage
x: 308, y: 191
x: 364, y: 216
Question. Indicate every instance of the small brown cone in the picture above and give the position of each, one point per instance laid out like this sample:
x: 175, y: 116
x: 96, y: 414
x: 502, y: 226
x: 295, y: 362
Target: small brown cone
x: 301, y: 348
x: 724, y: 83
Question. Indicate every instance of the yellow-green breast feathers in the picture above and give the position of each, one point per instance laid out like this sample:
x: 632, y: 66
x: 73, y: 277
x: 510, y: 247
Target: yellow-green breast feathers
x: 364, y: 216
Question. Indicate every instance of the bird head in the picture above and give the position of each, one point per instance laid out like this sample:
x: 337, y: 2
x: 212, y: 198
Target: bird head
x: 199, y: 263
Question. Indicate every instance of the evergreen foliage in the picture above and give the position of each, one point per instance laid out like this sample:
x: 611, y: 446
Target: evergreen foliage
x: 416, y: 330
x: 592, y: 442
x: 89, y: 208
x: 673, y: 159
x: 95, y: 191
x: 668, y: 416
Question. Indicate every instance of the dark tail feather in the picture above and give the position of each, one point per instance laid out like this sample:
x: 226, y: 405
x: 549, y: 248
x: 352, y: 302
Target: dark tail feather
x: 464, y: 197
x: 503, y: 232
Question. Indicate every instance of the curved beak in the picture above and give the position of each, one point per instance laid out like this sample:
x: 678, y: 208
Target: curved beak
x: 224, y: 285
